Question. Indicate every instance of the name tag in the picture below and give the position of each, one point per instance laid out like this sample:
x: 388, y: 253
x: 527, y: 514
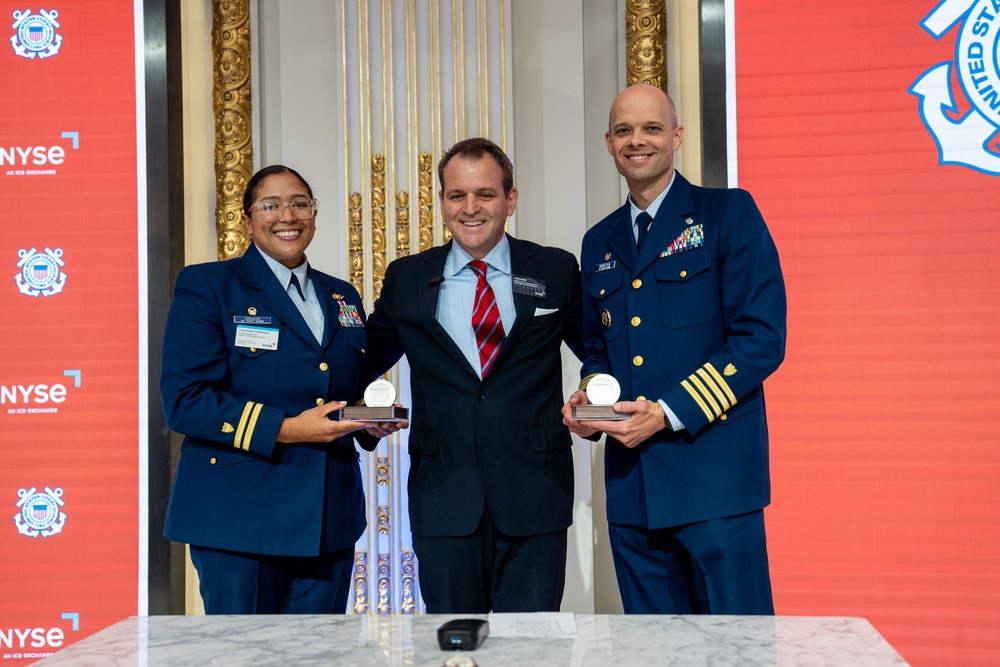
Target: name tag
x: 605, y: 266
x: 251, y: 319
x: 257, y: 337
x: 529, y: 286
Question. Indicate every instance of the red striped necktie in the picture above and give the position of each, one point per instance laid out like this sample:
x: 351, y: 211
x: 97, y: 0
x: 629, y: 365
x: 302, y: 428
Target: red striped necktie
x: 486, y: 318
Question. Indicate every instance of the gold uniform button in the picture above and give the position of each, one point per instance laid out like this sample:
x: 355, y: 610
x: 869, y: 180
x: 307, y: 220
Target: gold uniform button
x: 637, y: 360
x: 323, y: 366
x: 320, y: 401
x: 636, y: 321
x: 684, y: 274
x: 213, y: 460
x: 640, y: 398
x: 362, y: 350
x: 602, y: 291
x: 636, y: 283
x: 723, y: 416
x: 252, y: 350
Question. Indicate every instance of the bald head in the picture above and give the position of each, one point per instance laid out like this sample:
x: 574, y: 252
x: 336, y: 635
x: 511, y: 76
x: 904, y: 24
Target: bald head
x: 640, y: 93
x: 642, y: 136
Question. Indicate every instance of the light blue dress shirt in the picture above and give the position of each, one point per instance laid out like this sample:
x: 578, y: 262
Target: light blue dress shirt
x: 311, y: 310
x: 458, y: 293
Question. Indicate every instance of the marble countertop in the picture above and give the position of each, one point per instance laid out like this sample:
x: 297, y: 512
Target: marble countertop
x: 303, y: 641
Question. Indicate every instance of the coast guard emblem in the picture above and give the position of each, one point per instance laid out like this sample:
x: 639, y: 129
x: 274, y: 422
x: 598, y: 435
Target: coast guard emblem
x: 40, y: 272
x: 36, y: 34
x: 969, y: 141
x: 41, y: 513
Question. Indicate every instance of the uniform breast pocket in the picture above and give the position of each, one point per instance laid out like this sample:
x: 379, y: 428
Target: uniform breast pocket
x: 252, y: 340
x: 688, y: 288
x: 607, y: 298
x: 357, y: 340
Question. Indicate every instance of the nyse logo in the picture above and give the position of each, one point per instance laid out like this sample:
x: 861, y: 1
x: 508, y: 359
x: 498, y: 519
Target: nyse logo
x: 40, y: 513
x: 36, y: 160
x: 39, y: 398
x: 970, y: 141
x: 36, y: 34
x: 34, y: 643
x: 40, y: 272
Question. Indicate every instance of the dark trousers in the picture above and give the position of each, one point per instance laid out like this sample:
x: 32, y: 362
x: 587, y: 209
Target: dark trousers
x: 238, y: 583
x: 711, y: 567
x: 489, y: 571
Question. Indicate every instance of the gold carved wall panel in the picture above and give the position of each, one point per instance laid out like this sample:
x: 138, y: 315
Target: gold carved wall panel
x: 232, y: 110
x: 646, y: 42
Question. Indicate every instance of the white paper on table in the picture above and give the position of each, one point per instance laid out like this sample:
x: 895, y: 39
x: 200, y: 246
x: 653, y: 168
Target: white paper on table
x: 537, y: 624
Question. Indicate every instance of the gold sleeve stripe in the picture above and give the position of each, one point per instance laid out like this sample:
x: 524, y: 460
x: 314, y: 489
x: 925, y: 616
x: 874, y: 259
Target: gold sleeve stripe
x: 697, y: 399
x: 238, y: 441
x: 252, y: 425
x: 706, y: 395
x: 585, y: 381
x: 711, y: 384
x: 722, y: 383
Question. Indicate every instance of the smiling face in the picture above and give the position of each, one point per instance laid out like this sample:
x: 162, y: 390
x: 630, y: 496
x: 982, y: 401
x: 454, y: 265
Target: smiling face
x: 286, y: 238
x: 473, y: 204
x: 642, y: 136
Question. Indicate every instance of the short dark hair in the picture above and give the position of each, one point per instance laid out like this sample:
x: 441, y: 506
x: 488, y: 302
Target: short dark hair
x: 250, y: 193
x: 474, y: 149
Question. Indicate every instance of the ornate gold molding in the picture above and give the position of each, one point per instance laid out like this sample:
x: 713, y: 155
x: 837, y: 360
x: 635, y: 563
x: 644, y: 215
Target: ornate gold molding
x: 425, y: 201
x: 646, y: 42
x: 402, y: 223
x: 408, y: 602
x: 356, y: 249
x: 232, y: 108
x: 382, y: 478
x: 360, y: 582
x: 378, y: 223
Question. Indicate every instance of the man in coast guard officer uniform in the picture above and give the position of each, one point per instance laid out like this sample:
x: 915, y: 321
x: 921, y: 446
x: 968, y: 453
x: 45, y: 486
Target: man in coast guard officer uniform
x: 685, y: 307
x: 259, y: 352
x: 481, y: 321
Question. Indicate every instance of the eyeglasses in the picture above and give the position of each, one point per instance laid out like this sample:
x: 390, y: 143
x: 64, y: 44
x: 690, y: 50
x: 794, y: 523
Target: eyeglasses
x: 273, y: 210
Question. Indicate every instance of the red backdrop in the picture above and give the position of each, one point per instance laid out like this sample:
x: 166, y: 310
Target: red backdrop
x: 885, y: 453
x: 69, y: 375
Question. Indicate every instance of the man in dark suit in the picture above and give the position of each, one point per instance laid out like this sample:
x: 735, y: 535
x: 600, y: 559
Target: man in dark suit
x: 685, y: 307
x: 491, y: 465
x: 258, y: 353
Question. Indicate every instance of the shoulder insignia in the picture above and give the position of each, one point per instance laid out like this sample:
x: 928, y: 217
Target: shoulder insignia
x: 227, y: 427
x: 729, y: 370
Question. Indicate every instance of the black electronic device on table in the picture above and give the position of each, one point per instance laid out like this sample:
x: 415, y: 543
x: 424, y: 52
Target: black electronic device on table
x: 465, y: 634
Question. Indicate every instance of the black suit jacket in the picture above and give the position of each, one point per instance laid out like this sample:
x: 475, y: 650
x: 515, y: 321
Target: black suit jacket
x: 499, y: 440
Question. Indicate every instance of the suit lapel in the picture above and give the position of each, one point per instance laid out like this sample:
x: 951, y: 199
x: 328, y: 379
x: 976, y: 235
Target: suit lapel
x: 331, y: 309
x: 669, y: 223
x: 428, y: 292
x: 523, y: 262
x: 621, y: 239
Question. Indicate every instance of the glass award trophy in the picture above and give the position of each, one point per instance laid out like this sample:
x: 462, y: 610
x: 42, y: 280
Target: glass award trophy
x: 379, y: 398
x: 603, y: 392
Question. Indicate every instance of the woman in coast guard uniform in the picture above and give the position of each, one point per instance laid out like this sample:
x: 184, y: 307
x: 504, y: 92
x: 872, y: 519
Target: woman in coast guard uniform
x: 259, y: 353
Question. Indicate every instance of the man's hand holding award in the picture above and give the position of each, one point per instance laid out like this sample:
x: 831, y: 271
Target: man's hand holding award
x: 603, y: 392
